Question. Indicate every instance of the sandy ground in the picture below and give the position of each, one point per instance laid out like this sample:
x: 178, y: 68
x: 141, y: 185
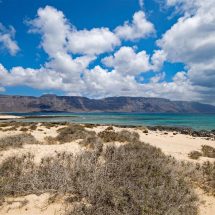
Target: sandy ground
x: 178, y: 146
x: 4, y: 117
x: 34, y: 205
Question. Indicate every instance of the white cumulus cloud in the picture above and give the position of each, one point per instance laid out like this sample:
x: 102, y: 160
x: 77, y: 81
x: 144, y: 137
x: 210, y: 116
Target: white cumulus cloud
x: 139, y: 28
x: 7, y: 39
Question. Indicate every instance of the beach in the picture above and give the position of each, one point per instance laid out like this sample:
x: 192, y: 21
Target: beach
x: 6, y: 117
x: 171, y: 143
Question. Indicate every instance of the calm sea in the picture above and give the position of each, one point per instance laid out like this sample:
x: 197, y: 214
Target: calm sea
x: 195, y: 121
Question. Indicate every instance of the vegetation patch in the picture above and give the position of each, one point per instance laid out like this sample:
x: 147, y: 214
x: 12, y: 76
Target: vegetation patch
x: 195, y: 155
x: 122, y: 136
x: 17, y: 141
x: 208, y: 151
x: 134, y: 179
x: 208, y: 179
x: 73, y: 132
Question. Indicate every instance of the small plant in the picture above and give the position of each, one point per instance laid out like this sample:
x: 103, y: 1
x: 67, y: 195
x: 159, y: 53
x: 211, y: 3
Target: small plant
x: 89, y: 125
x: 24, y: 129
x: 194, y: 155
x: 208, y: 151
x: 50, y: 140
x: 109, y: 128
x: 33, y: 127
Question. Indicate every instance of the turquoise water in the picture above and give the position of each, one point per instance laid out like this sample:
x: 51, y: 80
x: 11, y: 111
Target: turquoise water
x: 195, y: 121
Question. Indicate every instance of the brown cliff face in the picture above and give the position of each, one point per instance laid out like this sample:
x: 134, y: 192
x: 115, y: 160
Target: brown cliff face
x: 53, y: 103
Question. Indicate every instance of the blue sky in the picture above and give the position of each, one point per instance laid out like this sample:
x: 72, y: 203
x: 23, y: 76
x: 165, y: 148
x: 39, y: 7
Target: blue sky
x: 108, y: 48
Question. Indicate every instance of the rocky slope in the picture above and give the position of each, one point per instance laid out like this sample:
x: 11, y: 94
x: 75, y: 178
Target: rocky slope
x: 55, y: 103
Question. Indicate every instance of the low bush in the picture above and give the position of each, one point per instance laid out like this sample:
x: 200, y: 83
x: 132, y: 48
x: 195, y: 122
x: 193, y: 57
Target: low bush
x: 90, y: 125
x: 73, y: 132
x: 194, y: 155
x: 16, y: 141
x: 50, y: 140
x: 91, y: 141
x: 208, y: 151
x: 33, y: 127
x: 109, y: 128
x: 208, y: 179
x: 122, y: 136
x: 24, y: 129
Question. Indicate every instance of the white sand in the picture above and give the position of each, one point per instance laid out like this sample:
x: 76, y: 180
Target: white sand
x: 2, y: 117
x: 33, y: 205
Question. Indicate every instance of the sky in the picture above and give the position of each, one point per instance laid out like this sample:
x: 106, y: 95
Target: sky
x: 104, y: 48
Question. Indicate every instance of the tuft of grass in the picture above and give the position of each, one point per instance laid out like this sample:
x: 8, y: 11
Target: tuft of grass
x: 122, y: 136
x: 17, y: 141
x: 208, y: 151
x: 195, y: 155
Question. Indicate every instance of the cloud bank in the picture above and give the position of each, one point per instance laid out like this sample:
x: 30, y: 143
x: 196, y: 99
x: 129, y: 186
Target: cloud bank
x: 75, y: 65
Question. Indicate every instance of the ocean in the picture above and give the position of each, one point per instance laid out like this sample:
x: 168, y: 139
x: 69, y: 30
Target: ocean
x: 195, y: 121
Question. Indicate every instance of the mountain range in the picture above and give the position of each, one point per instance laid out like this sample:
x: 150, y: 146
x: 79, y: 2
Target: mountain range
x: 54, y: 103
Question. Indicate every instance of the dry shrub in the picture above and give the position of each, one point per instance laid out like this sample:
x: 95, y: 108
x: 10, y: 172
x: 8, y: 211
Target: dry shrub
x: 72, y: 132
x: 20, y: 176
x: 16, y: 141
x: 143, y: 129
x: 24, y: 129
x: 208, y: 151
x: 90, y: 125
x: 194, y: 155
x: 208, y: 179
x: 122, y: 136
x: 50, y: 140
x: 3, y: 125
x: 91, y: 141
x: 204, y: 177
x: 33, y: 127
x: 109, y: 128
x: 135, y: 179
